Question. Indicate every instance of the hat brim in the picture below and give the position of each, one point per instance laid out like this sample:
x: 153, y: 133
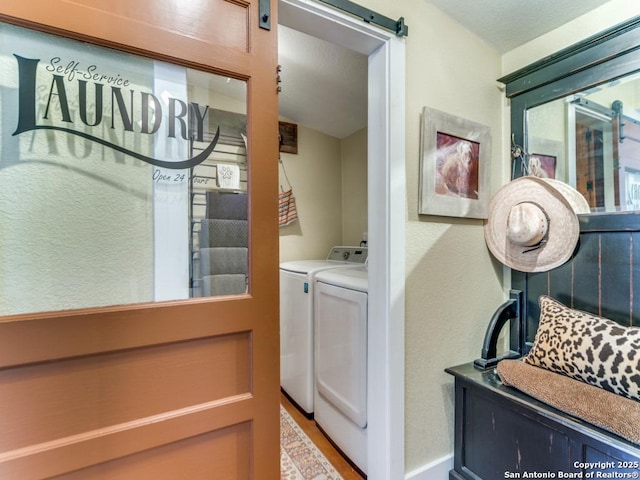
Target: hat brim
x: 562, y: 232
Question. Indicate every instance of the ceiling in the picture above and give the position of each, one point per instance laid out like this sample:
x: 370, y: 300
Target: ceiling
x: 324, y: 86
x: 506, y: 24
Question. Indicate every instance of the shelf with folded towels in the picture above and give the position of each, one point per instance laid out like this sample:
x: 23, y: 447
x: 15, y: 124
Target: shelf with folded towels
x: 218, y: 214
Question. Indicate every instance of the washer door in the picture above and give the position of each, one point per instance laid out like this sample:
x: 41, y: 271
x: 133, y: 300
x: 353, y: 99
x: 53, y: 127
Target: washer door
x: 341, y: 349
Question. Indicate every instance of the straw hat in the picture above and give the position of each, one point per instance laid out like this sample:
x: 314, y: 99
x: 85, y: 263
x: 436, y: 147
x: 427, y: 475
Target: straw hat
x: 533, y: 224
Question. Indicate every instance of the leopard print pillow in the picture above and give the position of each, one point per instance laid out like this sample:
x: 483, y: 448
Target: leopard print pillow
x: 595, y: 350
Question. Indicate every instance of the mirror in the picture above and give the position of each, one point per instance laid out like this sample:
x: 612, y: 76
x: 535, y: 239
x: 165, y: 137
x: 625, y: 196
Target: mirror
x: 591, y: 140
x: 575, y: 116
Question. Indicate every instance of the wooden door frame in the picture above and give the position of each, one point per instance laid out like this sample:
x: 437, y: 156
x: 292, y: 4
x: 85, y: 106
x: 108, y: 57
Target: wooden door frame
x: 387, y: 193
x: 248, y: 323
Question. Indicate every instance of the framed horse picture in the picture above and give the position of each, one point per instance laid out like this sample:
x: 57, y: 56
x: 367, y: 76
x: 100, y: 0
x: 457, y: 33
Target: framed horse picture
x: 454, y: 166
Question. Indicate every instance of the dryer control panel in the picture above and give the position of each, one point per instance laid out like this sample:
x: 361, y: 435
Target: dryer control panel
x: 348, y: 254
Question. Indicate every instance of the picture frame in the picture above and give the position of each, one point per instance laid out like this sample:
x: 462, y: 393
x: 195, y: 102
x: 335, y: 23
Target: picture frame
x: 288, y: 133
x: 546, y: 150
x: 542, y: 166
x: 454, y: 166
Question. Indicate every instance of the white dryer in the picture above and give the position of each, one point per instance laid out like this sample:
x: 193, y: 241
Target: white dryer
x: 340, y: 309
x: 296, y: 321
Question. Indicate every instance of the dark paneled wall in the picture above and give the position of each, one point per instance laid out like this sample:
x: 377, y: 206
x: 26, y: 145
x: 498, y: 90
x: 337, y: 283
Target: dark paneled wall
x: 603, y: 276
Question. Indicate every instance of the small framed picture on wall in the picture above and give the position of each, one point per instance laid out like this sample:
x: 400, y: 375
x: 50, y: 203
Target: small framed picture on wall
x: 288, y: 133
x: 454, y: 166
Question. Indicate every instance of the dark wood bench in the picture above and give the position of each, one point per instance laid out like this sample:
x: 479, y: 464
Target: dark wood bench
x: 501, y: 432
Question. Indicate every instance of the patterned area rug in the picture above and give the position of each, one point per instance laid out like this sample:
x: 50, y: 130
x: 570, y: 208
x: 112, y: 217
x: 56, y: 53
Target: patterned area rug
x: 300, y: 459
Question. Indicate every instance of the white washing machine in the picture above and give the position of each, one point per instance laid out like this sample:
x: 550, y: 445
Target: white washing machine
x: 341, y: 359
x: 296, y: 321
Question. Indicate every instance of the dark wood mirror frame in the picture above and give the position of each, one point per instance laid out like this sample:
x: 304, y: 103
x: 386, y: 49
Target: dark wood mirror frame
x: 611, y: 54
x: 606, y: 56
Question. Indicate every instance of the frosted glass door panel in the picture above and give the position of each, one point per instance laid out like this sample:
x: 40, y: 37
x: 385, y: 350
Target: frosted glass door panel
x: 122, y: 178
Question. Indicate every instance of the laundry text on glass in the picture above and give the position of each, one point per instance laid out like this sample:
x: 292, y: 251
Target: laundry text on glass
x: 123, y: 103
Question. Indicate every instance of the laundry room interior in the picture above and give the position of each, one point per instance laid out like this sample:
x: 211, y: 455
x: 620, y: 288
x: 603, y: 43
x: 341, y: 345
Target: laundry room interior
x: 324, y: 166
x: 324, y: 93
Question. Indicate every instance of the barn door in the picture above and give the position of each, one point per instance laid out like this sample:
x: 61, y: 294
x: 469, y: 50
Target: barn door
x: 138, y: 240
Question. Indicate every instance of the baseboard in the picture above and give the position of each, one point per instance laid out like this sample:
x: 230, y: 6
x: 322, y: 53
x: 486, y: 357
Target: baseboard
x: 436, y: 470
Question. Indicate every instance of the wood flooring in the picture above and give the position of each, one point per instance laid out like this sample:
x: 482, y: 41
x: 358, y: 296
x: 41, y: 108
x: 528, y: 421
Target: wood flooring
x: 318, y: 438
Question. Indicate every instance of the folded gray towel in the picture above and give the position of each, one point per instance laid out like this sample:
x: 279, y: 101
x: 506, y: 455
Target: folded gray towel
x: 221, y: 260
x: 217, y: 232
x: 227, y: 205
x: 229, y: 284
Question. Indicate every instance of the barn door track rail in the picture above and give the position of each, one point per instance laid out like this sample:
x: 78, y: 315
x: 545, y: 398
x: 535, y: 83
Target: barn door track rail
x: 369, y: 16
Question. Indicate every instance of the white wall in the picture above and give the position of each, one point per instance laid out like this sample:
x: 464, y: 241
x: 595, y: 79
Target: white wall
x: 329, y: 179
x: 315, y: 173
x: 453, y: 284
x: 354, y: 187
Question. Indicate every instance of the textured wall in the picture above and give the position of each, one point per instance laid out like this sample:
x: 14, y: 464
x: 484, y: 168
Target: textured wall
x: 453, y: 285
x: 316, y: 175
x: 354, y: 187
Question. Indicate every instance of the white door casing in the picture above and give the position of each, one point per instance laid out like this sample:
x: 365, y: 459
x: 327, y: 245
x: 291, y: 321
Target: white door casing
x: 387, y: 193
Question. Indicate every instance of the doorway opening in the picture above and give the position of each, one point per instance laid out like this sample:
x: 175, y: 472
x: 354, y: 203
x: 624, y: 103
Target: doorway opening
x: 386, y: 187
